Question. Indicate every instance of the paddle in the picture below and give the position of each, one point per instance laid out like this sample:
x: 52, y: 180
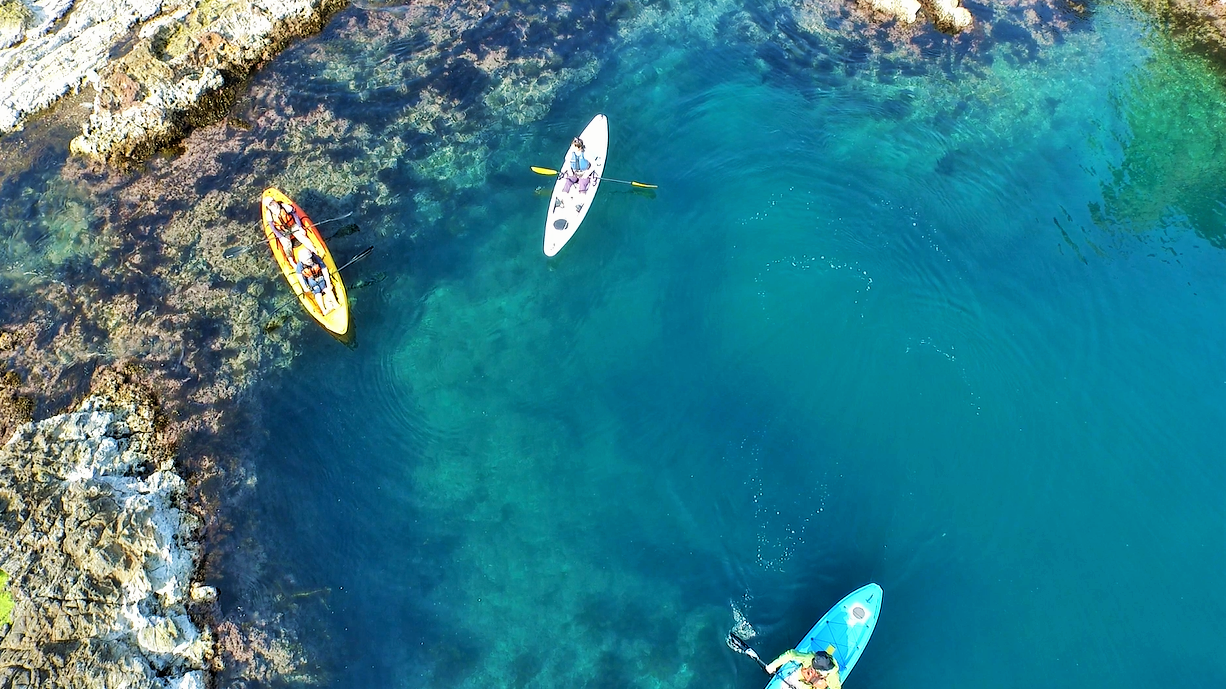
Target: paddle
x: 357, y: 258
x: 244, y: 248
x: 547, y: 171
x: 739, y: 645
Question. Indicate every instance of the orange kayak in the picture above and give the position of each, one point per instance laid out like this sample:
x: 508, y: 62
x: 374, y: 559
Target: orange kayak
x: 336, y: 320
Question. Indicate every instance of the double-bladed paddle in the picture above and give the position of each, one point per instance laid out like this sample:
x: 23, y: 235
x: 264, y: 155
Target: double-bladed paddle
x: 554, y: 173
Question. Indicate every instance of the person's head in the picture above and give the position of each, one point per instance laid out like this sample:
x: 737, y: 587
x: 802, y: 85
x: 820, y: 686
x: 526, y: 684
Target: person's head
x: 303, y: 255
x: 817, y: 667
x: 822, y: 661
x: 577, y: 143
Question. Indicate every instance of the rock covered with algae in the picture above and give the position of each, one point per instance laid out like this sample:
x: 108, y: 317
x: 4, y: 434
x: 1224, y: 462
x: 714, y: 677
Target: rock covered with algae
x: 1200, y: 24
x: 184, y: 58
x: 949, y: 16
x: 100, y: 556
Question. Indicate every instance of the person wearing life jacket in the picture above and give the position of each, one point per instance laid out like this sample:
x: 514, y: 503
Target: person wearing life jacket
x: 815, y: 670
x: 313, y: 275
x: 577, y: 160
x: 286, y: 226
x: 579, y: 169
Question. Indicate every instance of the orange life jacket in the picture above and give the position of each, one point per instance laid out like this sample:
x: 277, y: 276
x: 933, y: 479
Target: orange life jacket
x: 285, y: 219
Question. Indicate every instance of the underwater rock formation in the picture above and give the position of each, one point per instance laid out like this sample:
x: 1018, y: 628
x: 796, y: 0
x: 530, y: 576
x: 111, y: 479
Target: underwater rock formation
x: 99, y: 555
x: 1199, y: 24
x: 186, y: 56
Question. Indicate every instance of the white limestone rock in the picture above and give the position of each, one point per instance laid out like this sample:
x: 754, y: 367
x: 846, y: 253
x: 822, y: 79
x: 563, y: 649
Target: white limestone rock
x: 182, y: 54
x: 88, y: 514
x: 904, y: 10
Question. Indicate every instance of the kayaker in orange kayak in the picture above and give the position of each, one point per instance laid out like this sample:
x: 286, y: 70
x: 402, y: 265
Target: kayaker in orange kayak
x: 287, y: 226
x: 315, y: 279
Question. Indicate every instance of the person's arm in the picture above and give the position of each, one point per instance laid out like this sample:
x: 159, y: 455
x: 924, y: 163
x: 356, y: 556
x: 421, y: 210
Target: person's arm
x: 785, y: 657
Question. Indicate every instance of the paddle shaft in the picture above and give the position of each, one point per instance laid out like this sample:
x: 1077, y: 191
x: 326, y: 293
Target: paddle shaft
x: 355, y: 259
x: 633, y: 184
x: 550, y: 171
x: 244, y: 247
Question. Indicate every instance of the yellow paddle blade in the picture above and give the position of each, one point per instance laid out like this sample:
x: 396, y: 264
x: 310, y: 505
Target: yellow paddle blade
x: 645, y: 186
x: 543, y: 170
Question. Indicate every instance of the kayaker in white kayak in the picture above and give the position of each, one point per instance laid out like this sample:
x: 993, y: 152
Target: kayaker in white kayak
x: 578, y: 170
x: 576, y: 159
x: 817, y: 670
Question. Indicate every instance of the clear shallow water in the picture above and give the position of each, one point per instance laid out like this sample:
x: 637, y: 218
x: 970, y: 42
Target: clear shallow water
x: 930, y: 333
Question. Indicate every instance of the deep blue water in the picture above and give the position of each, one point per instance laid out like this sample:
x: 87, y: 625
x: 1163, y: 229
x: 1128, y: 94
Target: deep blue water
x: 958, y: 334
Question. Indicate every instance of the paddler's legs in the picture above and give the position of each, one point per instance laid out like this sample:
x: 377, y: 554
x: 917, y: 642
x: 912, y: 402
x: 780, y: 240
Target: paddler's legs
x: 301, y: 235
x: 330, y: 300
x: 321, y: 303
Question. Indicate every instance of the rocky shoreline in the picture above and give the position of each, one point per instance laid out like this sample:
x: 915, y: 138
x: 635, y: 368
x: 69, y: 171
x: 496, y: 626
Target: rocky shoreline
x: 183, y: 65
x: 99, y: 553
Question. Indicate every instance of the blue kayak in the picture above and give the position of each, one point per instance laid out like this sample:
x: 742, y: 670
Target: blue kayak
x: 846, y: 627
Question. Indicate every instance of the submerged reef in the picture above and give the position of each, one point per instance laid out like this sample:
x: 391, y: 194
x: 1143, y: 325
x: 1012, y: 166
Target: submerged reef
x: 1197, y: 24
x: 98, y: 554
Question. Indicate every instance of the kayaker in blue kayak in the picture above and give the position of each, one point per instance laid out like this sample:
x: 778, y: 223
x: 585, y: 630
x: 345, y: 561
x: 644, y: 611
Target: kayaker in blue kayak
x: 817, y: 670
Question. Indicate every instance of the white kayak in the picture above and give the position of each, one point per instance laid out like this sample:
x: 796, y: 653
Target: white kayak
x: 568, y: 208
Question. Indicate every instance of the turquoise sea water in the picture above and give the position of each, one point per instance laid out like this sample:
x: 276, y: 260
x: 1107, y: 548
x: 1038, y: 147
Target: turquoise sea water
x: 959, y: 334
x: 957, y: 329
